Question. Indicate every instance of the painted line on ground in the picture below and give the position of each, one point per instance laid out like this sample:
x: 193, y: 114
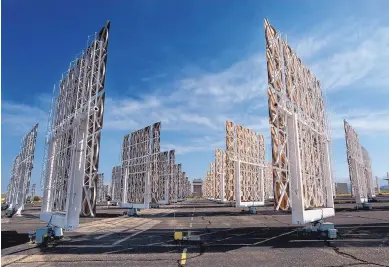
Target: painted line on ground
x: 143, y: 229
x: 127, y: 237
x: 363, y: 226
x: 141, y: 222
x: 116, y: 231
x: 190, y: 225
x: 183, y: 256
x: 86, y: 246
x: 216, y: 232
x: 339, y: 240
x: 234, y: 236
x: 274, y: 237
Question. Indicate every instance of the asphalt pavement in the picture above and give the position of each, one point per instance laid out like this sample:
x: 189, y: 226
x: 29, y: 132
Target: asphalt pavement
x: 222, y: 236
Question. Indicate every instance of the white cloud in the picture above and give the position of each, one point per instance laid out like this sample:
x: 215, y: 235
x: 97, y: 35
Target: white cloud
x: 206, y: 143
x: 348, y: 57
x: 20, y: 118
x: 199, y: 103
x: 364, y: 121
x: 244, y: 80
x: 310, y: 46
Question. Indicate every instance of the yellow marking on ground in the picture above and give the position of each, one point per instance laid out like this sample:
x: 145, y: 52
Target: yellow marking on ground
x: 177, y: 235
x: 183, y: 256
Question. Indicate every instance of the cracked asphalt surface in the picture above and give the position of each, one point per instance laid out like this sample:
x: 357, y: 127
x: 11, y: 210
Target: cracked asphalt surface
x: 226, y: 236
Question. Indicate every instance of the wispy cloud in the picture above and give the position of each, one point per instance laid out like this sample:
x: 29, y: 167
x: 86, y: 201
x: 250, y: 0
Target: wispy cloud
x: 153, y: 77
x: 348, y: 56
x: 205, y: 143
x: 244, y: 80
x: 20, y: 118
x: 364, y: 121
x: 199, y: 103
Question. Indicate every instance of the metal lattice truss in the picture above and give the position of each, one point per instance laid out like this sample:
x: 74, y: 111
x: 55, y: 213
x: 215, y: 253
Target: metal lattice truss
x: 269, y: 188
x: 207, y: 184
x: 173, y: 179
x: 136, y: 166
x: 73, y: 137
x: 106, y: 191
x: 33, y: 187
x: 179, y: 182
x: 21, y: 171
x: 117, y: 184
x: 368, y: 173
x: 230, y: 165
x: 212, y: 176
x: 245, y: 163
x: 356, y: 164
x: 220, y: 168
x: 150, y: 175
x: 12, y: 188
x: 99, y: 188
x: 160, y: 193
x: 187, y: 187
x: 182, y: 183
x: 299, y: 132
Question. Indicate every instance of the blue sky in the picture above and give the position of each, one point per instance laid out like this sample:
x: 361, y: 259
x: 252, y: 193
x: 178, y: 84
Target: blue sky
x: 192, y: 65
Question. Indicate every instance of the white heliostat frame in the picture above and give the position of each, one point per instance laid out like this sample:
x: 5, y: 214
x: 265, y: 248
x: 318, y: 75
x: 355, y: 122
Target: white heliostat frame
x: 300, y: 136
x: 71, y: 157
x: 246, y: 163
x: 21, y: 172
x: 136, y: 160
x: 146, y: 170
x: 268, y: 181
x: 368, y: 174
x: 172, y: 177
x: 100, y: 189
x: 116, y: 184
x: 220, y: 168
x: 356, y: 164
x: 161, y: 192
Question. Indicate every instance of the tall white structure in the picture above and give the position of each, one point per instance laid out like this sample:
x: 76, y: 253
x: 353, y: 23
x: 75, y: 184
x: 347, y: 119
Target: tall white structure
x: 106, y: 191
x: 299, y: 134
x: 368, y: 173
x: 220, y: 169
x: 71, y: 158
x: 147, y: 172
x: 377, y: 184
x: 356, y: 164
x: 117, y: 184
x: 245, y: 166
x: 99, y: 188
x: 173, y: 179
x: 21, y: 172
x: 268, y: 181
x: 33, y: 191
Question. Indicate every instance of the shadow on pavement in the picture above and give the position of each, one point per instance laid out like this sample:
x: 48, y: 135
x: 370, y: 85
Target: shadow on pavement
x: 12, y: 238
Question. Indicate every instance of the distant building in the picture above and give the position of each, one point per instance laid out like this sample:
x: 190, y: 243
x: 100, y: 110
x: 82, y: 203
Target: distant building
x: 341, y: 188
x: 197, y: 187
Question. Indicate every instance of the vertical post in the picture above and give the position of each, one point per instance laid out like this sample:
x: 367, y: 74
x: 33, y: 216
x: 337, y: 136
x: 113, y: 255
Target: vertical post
x: 378, y: 185
x: 76, y: 180
x: 147, y: 197
x: 262, y: 181
x: 328, y: 176
x: 222, y: 196
x: 46, y: 201
x: 125, y: 176
x: 295, y: 179
x: 237, y: 183
x: 358, y: 198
